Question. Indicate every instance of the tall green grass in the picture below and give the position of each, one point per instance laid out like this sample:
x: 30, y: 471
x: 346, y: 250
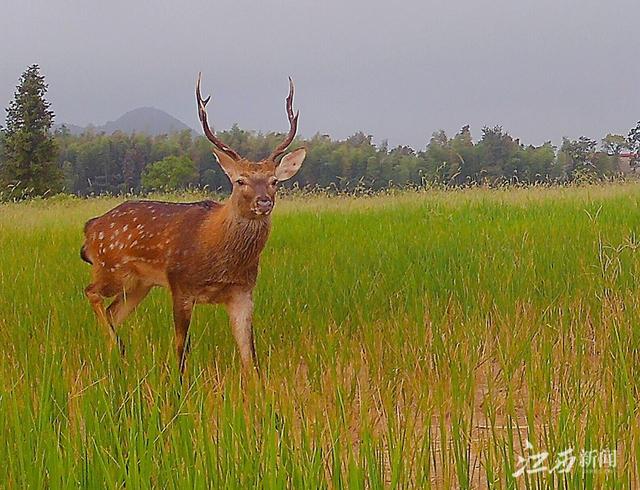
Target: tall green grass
x: 408, y: 340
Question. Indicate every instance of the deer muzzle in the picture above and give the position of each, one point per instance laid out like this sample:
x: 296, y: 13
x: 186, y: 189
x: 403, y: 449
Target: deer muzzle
x: 263, y: 206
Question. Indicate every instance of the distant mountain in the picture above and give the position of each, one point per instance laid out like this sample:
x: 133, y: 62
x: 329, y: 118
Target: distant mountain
x: 148, y: 120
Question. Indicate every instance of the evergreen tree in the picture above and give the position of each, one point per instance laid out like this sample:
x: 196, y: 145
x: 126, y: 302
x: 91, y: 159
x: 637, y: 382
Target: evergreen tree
x: 29, y: 165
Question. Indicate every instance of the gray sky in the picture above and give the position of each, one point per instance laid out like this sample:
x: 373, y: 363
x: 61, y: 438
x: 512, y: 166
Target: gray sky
x: 399, y: 70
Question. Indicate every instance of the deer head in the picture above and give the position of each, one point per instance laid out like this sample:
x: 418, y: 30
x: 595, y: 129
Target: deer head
x: 255, y: 183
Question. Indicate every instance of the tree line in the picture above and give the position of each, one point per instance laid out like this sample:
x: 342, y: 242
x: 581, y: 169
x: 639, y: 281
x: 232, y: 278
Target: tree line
x: 36, y: 161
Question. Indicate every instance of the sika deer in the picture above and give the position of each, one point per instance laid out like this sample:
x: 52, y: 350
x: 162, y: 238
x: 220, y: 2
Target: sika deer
x: 203, y: 252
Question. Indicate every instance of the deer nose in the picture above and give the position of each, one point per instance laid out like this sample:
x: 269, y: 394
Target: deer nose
x: 264, y: 205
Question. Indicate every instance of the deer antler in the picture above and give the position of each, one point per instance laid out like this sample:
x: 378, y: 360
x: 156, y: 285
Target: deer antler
x: 293, y: 125
x: 202, y: 114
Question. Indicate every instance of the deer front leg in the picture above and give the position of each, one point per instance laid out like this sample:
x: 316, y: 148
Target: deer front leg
x: 240, y: 311
x: 182, y: 309
x: 94, y: 294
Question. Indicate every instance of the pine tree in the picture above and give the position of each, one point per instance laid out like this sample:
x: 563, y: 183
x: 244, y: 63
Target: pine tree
x: 29, y: 166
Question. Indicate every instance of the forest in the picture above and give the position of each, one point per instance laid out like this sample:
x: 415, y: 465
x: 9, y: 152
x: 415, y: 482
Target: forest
x: 99, y: 163
x: 36, y: 159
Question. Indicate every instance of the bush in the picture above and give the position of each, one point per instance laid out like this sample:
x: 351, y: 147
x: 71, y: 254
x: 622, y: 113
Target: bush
x: 170, y: 173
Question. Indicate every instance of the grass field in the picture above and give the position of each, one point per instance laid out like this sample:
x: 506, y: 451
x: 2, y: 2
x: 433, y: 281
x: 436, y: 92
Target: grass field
x: 406, y: 340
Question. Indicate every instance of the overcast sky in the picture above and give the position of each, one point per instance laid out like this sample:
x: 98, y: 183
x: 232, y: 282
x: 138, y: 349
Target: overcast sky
x: 399, y: 70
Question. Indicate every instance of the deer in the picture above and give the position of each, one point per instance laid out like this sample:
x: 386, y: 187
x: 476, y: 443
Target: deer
x: 203, y: 252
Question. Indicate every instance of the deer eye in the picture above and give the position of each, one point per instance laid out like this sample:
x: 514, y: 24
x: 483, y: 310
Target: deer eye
x: 273, y: 182
x: 241, y: 182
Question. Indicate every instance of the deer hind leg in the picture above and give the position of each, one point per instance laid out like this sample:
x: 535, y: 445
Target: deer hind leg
x: 96, y: 293
x: 127, y: 301
x: 182, y: 309
x: 240, y: 311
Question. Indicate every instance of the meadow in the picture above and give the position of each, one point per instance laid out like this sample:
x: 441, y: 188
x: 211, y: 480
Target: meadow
x: 411, y: 339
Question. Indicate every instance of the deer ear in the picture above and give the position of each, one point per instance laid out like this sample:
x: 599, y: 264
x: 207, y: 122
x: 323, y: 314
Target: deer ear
x: 227, y: 163
x: 290, y: 164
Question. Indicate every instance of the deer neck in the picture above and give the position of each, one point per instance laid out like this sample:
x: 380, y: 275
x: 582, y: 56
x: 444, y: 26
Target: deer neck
x: 239, y: 239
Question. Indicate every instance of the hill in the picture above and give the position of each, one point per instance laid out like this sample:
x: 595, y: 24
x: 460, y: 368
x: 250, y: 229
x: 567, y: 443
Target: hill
x: 148, y: 120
